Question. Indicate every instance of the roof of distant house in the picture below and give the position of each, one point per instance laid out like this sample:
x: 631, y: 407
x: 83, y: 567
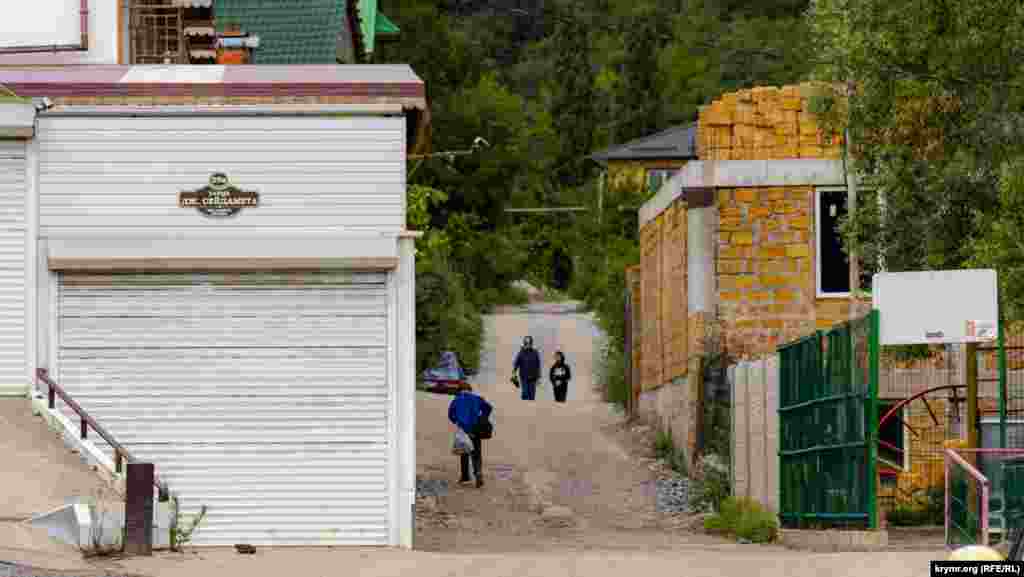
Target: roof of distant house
x: 676, y: 142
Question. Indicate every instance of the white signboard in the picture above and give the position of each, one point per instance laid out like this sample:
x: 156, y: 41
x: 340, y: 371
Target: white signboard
x: 42, y: 23
x: 950, y: 306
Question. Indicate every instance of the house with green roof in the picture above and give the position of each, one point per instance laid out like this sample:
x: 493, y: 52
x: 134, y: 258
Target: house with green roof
x: 317, y: 32
x: 212, y: 31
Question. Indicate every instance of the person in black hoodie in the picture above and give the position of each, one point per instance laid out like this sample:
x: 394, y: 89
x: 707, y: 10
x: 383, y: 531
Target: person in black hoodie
x: 560, y: 376
x: 527, y: 365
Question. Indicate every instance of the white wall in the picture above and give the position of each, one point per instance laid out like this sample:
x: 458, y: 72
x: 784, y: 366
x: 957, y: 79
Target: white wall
x: 119, y: 176
x: 13, y: 310
x: 47, y: 22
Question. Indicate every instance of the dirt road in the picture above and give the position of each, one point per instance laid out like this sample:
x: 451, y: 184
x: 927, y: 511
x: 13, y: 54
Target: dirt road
x: 565, y: 459
x: 571, y: 460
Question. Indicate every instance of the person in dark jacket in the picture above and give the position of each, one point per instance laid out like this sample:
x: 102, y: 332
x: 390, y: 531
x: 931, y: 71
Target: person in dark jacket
x: 527, y: 364
x: 465, y: 411
x: 560, y: 376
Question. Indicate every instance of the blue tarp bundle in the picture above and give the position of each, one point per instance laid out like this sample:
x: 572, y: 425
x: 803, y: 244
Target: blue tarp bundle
x: 448, y: 369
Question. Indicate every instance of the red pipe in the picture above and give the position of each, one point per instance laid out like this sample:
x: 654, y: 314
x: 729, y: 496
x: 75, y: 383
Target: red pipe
x: 888, y: 415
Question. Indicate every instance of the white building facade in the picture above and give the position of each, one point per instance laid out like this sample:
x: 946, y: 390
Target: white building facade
x: 228, y: 289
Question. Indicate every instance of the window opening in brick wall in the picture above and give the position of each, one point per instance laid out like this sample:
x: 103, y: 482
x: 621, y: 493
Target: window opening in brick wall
x: 656, y: 177
x: 833, y: 264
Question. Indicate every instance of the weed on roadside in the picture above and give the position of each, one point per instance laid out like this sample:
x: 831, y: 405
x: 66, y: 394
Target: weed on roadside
x: 181, y: 533
x: 100, y: 543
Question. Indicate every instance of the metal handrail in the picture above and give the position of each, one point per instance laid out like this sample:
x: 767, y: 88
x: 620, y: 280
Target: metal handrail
x: 120, y: 452
x: 983, y: 482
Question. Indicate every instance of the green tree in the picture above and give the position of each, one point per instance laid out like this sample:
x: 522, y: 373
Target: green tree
x: 929, y: 92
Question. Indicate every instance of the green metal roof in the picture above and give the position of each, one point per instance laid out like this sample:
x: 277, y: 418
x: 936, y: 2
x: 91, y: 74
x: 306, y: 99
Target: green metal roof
x: 290, y: 31
x: 373, y: 23
x: 301, y: 31
x: 386, y: 26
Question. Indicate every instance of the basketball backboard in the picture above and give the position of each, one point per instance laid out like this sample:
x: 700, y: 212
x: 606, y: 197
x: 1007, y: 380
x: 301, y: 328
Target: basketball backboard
x: 945, y: 306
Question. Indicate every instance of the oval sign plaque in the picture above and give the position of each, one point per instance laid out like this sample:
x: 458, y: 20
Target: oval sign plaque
x: 219, y: 198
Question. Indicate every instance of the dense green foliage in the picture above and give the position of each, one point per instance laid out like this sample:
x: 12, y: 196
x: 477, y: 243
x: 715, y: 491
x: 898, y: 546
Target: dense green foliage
x: 547, y: 84
x: 931, y: 95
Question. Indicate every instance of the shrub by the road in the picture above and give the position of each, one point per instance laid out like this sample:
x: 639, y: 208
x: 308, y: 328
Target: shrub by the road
x: 743, y: 518
x: 446, y: 318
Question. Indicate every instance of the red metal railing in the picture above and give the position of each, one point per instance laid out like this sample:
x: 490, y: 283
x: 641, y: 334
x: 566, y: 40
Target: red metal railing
x: 120, y: 453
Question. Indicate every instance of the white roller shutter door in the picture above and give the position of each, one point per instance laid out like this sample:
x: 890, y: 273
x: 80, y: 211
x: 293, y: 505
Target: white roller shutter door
x: 264, y: 397
x: 14, y: 368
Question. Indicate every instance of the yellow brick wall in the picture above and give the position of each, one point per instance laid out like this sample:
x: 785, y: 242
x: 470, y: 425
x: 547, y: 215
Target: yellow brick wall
x: 763, y: 123
x: 650, y: 280
x: 663, y: 297
x: 765, y: 274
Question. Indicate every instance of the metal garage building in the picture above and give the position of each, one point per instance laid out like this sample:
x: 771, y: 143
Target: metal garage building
x: 214, y: 264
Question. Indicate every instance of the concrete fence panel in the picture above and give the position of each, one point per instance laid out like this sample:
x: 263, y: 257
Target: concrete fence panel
x: 755, y: 430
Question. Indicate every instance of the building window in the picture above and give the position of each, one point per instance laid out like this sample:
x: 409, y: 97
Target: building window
x: 657, y: 177
x: 892, y: 438
x: 833, y: 264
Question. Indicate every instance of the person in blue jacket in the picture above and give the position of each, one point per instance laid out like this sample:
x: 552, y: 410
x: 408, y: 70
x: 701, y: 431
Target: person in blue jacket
x: 527, y: 364
x: 465, y: 411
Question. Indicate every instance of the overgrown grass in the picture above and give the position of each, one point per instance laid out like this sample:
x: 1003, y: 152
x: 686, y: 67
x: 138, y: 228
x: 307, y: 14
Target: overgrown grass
x: 611, y: 372
x: 743, y: 518
x: 666, y: 450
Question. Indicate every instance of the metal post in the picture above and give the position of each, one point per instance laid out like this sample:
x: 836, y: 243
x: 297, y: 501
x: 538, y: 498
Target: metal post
x: 872, y: 410
x: 138, y: 511
x: 972, y: 418
x: 1003, y: 390
x: 945, y: 461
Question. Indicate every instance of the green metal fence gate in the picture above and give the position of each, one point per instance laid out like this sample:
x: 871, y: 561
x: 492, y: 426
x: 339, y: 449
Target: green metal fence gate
x: 828, y: 427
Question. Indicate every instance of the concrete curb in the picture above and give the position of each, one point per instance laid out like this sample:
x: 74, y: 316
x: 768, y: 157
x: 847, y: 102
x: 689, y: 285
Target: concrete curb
x: 834, y: 540
x: 70, y: 524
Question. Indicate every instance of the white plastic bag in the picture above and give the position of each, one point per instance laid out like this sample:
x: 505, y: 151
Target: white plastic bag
x: 461, y: 443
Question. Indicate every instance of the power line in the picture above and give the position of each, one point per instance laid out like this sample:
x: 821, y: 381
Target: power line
x: 550, y: 209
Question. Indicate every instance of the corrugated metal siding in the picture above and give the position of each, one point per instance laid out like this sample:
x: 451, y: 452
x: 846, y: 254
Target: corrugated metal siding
x: 266, y: 402
x: 331, y: 173
x: 13, y: 364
